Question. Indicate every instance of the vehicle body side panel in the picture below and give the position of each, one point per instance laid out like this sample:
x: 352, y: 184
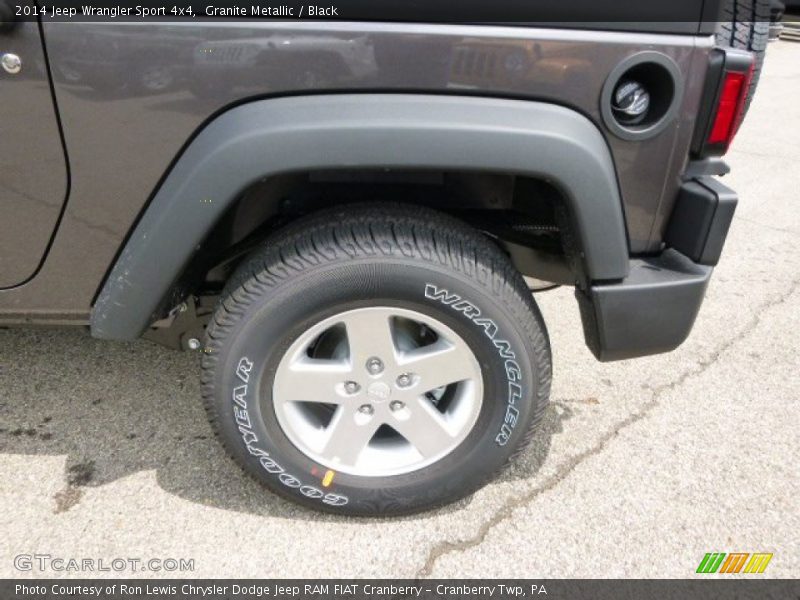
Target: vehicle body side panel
x: 122, y: 136
x: 33, y: 177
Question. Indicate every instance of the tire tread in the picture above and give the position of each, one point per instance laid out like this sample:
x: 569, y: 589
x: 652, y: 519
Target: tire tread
x: 745, y: 25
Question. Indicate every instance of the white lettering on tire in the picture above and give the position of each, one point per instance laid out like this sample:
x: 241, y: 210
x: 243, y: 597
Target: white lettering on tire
x: 250, y: 439
x: 490, y: 328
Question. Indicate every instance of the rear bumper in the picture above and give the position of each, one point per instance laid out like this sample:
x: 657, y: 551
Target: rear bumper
x: 654, y: 308
x: 650, y: 311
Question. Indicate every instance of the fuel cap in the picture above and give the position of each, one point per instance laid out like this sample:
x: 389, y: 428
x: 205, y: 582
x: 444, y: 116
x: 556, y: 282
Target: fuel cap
x: 631, y: 102
x: 11, y: 63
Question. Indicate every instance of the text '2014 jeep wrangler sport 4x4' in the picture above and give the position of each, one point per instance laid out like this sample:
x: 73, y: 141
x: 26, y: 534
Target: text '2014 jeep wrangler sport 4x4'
x: 340, y: 217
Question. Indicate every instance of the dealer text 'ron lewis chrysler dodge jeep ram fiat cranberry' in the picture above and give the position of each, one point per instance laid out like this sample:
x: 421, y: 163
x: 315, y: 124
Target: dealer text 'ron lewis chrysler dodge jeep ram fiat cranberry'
x: 346, y: 219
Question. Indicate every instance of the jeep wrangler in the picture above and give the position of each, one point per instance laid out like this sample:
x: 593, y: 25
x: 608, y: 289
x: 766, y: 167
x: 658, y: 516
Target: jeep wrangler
x: 346, y: 219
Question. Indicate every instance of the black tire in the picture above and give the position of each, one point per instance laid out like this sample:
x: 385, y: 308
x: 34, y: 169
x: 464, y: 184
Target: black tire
x: 745, y: 25
x: 375, y: 255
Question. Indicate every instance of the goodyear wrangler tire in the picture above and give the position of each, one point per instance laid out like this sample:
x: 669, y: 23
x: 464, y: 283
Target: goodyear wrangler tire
x: 376, y: 360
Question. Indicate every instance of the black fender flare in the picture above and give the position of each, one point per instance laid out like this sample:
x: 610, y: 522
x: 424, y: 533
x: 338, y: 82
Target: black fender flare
x: 279, y: 135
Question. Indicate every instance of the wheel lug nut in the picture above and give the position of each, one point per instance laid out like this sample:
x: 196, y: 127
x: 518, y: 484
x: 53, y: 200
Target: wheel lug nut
x: 404, y: 380
x: 396, y: 405
x: 351, y: 387
x: 375, y: 365
x: 366, y: 409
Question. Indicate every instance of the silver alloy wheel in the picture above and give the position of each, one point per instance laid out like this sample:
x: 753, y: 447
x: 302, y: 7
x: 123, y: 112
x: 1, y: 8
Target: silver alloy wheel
x: 378, y: 391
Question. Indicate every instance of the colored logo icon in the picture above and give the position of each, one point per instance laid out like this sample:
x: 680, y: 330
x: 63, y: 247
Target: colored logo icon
x: 737, y: 562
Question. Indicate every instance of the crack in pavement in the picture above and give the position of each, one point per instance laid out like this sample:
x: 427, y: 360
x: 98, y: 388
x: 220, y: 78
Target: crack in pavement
x: 446, y: 547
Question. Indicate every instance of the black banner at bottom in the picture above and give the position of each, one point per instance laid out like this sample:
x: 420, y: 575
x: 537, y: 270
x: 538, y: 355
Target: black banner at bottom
x: 396, y: 589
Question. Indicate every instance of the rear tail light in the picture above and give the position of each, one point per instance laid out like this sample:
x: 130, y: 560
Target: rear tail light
x: 729, y: 78
x: 729, y: 108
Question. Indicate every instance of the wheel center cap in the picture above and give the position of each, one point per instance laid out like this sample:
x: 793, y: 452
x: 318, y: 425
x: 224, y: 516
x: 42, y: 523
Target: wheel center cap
x: 379, y: 391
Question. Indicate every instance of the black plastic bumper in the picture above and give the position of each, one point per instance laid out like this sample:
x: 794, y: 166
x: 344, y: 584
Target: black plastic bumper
x: 651, y: 311
x: 654, y: 308
x: 700, y: 220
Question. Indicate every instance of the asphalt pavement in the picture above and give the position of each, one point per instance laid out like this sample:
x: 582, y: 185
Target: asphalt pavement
x: 641, y: 467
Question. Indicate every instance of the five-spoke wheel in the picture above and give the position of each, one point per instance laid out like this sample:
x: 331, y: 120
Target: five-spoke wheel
x: 378, y: 391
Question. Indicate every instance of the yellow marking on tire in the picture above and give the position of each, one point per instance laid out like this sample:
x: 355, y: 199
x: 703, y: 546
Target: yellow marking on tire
x: 326, y: 481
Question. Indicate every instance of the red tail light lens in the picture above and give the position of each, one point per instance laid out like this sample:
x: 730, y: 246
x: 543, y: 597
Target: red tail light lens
x: 725, y: 91
x: 729, y: 107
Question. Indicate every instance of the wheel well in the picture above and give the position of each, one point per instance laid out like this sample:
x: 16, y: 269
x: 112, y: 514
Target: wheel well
x: 450, y: 134
x: 523, y: 215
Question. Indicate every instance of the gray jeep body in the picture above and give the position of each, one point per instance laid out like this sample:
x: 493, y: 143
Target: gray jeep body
x: 147, y: 158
